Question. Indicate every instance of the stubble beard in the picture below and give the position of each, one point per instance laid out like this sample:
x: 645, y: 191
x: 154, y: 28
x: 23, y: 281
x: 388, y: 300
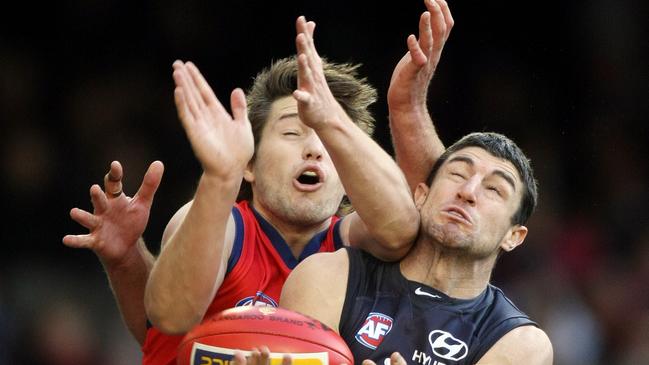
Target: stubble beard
x: 451, y: 237
x: 300, y: 210
x: 463, y: 244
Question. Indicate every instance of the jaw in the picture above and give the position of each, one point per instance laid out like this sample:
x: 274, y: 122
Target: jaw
x: 457, y: 239
x: 298, y: 208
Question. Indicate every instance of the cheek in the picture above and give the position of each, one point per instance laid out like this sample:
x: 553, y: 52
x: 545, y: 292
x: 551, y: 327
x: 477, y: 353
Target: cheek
x: 333, y: 178
x: 276, y: 155
x: 496, y: 220
x: 271, y: 155
x: 427, y: 212
x: 330, y: 170
x: 267, y: 170
x: 443, y: 190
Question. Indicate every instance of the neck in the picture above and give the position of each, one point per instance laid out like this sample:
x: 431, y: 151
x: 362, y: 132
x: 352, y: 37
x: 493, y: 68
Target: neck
x: 453, y: 272
x: 296, y: 236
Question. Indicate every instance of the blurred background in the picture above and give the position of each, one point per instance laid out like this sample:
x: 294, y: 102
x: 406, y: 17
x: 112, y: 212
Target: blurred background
x: 83, y: 83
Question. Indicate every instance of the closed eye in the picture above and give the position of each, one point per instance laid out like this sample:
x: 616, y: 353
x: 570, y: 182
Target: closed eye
x: 495, y: 189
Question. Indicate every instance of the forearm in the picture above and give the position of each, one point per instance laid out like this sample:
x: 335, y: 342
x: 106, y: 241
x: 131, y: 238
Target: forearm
x: 128, y: 281
x: 188, y: 271
x: 416, y: 143
x: 374, y: 184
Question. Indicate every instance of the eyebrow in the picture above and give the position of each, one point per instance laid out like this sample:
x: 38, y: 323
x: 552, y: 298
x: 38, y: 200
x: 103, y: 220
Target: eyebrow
x: 497, y: 172
x: 287, y: 116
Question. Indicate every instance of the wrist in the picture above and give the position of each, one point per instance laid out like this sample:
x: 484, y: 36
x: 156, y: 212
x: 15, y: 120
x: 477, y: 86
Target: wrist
x: 334, y: 119
x: 413, y: 106
x: 132, y: 258
x: 406, y: 100
x: 214, y: 180
x: 407, y: 113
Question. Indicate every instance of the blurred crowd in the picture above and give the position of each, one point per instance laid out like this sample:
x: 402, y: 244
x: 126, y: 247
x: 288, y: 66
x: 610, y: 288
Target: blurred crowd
x: 85, y: 83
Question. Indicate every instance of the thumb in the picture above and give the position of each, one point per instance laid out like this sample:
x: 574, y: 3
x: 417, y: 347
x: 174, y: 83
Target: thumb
x: 302, y: 96
x: 238, y: 105
x: 151, y: 182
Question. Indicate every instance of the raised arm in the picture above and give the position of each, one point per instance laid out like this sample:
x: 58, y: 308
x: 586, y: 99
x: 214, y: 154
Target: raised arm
x: 116, y: 226
x: 373, y: 182
x: 416, y: 143
x: 198, y: 240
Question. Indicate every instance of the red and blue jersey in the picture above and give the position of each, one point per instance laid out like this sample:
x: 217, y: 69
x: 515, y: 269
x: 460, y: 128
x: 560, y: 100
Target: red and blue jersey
x: 258, y: 266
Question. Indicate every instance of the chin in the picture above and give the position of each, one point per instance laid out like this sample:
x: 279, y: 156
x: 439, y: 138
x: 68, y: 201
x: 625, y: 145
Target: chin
x: 450, y: 236
x: 307, y: 216
x: 307, y: 211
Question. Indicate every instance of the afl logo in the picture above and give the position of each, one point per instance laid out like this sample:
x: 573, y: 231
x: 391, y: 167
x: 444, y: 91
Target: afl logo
x: 446, y: 346
x: 259, y: 300
x: 374, y: 330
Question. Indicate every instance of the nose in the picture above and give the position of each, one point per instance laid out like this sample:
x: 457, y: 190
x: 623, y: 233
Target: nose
x: 313, y: 148
x: 467, y: 191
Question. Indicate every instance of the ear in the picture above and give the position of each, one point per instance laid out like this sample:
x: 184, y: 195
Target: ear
x: 514, y: 237
x: 248, y: 175
x: 421, y: 192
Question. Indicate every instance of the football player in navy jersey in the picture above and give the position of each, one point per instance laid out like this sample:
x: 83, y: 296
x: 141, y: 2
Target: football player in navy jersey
x: 436, y: 306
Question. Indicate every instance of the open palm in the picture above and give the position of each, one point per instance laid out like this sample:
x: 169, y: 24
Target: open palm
x: 117, y: 221
x: 223, y: 143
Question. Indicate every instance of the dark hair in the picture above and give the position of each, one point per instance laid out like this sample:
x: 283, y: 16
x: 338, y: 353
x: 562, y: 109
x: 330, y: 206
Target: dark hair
x: 502, y: 147
x: 279, y: 80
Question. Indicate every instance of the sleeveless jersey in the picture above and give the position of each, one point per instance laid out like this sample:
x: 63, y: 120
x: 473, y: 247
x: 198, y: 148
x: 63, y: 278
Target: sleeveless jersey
x: 384, y: 312
x: 258, y: 266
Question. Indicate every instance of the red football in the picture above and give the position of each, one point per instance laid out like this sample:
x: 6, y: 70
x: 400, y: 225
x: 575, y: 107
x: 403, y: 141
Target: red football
x: 308, y: 340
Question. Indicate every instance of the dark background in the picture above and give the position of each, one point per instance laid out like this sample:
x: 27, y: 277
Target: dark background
x: 83, y: 83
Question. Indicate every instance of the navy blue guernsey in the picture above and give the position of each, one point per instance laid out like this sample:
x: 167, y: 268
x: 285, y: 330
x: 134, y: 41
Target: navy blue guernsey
x: 384, y: 312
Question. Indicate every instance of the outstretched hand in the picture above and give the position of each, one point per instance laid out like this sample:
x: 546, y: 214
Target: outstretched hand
x: 412, y: 75
x: 316, y: 104
x: 117, y: 221
x: 223, y: 143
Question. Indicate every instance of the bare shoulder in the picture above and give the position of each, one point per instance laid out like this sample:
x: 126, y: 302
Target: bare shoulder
x: 522, y: 345
x: 317, y: 286
x: 323, y: 260
x: 319, y: 271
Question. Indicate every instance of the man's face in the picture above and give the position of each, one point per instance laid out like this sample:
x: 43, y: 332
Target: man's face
x: 470, y: 204
x: 293, y: 178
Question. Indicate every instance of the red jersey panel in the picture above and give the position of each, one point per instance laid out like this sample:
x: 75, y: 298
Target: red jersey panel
x: 258, y: 267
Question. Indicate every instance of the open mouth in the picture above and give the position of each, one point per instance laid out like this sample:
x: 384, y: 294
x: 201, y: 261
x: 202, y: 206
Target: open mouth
x: 459, y: 214
x: 308, y: 178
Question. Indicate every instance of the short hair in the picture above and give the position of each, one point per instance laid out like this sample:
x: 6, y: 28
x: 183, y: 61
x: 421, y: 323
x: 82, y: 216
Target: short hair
x: 279, y: 80
x: 502, y: 147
